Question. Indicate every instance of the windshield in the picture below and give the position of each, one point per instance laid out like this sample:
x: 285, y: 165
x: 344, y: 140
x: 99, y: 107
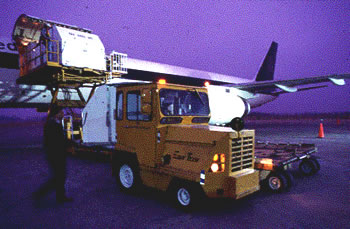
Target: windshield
x: 183, y: 103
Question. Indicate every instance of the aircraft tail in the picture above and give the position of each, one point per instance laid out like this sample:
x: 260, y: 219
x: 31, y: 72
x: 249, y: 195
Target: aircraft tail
x: 267, y: 68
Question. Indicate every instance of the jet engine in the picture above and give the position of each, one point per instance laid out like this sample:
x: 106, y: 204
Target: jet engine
x: 225, y: 104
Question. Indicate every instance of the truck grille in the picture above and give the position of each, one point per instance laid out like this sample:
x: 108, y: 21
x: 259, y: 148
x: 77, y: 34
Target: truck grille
x: 242, y: 153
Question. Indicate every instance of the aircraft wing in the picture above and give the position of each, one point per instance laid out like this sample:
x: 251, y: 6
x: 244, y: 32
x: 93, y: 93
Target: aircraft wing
x: 276, y: 87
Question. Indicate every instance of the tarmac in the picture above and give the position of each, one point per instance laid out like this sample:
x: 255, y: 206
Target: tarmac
x: 319, y: 201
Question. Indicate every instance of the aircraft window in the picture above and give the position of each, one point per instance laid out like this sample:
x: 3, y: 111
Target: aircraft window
x: 134, y: 107
x: 183, y: 103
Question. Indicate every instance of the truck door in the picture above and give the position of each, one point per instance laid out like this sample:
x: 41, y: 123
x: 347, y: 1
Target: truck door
x: 98, y: 121
x: 135, y: 128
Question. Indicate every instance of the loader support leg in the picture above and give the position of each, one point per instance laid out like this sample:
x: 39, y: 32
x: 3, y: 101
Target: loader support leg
x: 91, y: 93
x: 81, y: 95
x: 53, y: 106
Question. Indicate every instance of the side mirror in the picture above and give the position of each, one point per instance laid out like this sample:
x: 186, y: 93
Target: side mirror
x: 146, y: 96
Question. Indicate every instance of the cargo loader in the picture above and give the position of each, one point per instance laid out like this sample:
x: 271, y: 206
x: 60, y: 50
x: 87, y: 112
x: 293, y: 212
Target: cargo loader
x: 156, y: 133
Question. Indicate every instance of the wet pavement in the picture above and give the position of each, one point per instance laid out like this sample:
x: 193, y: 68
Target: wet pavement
x: 319, y: 201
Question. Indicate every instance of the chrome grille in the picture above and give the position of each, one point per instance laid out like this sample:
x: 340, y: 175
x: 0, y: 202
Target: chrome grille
x: 242, y: 153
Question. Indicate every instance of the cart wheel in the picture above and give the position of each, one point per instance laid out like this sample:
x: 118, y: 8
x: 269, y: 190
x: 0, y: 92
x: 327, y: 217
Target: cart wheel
x: 308, y: 167
x: 290, y: 179
x: 277, y: 182
x: 312, y: 158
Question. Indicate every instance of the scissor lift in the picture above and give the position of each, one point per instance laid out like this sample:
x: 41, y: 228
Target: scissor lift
x: 274, y: 160
x: 64, y: 58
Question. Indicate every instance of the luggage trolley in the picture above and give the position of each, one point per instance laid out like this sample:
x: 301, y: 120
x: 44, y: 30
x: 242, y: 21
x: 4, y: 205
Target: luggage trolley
x: 274, y: 160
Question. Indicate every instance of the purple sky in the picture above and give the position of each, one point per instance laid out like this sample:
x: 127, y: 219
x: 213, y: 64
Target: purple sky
x: 229, y: 37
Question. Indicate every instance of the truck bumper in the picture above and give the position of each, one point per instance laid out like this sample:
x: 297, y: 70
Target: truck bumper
x: 238, y: 185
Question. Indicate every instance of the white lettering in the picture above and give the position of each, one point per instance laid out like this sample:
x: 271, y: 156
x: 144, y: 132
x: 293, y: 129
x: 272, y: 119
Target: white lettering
x: 12, y: 47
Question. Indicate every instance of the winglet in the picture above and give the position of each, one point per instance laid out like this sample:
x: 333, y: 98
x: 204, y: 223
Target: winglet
x: 267, y: 68
x: 338, y: 82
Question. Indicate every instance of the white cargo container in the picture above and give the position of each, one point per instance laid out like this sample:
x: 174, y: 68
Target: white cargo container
x: 45, y: 47
x: 81, y: 49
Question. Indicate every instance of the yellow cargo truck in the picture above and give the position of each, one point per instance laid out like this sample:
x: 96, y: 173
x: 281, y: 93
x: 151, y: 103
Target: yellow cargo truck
x: 161, y: 138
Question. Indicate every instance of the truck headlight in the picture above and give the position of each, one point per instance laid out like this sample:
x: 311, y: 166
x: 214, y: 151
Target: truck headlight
x: 218, y: 164
x: 214, y: 167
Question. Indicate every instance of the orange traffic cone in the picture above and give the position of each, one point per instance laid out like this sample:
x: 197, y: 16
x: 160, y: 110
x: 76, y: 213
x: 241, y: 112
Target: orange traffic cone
x: 321, y: 132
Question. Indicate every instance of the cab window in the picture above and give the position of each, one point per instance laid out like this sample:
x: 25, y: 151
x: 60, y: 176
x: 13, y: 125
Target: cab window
x: 183, y: 103
x: 134, y: 107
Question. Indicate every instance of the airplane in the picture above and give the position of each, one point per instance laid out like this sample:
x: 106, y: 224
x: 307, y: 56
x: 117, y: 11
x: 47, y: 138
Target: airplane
x: 229, y: 96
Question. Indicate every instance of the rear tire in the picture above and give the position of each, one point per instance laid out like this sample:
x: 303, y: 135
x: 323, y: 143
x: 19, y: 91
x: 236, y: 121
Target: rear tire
x: 317, y: 164
x: 308, y: 167
x: 290, y: 179
x: 128, y: 177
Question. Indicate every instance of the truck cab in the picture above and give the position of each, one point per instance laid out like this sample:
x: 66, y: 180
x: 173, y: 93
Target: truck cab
x: 163, y: 140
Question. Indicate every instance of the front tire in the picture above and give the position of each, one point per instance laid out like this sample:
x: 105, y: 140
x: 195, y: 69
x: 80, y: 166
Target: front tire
x: 186, y: 195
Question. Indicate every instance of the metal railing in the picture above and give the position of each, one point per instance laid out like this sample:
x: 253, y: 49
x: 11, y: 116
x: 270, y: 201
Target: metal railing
x: 116, y: 63
x: 39, y: 54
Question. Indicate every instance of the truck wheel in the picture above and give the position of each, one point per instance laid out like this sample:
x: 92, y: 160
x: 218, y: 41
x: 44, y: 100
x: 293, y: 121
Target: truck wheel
x: 308, y: 167
x: 186, y: 195
x: 128, y: 177
x: 277, y: 182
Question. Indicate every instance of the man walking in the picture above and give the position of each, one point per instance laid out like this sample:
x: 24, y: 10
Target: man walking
x: 55, y: 145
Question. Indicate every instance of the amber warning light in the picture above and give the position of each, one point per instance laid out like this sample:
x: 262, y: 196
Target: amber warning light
x: 264, y: 163
x: 162, y: 81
